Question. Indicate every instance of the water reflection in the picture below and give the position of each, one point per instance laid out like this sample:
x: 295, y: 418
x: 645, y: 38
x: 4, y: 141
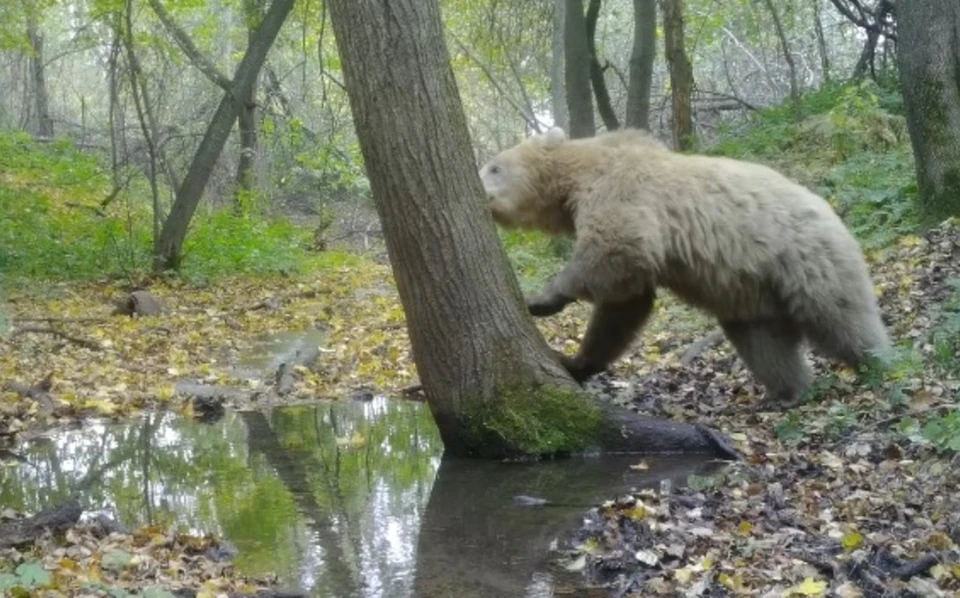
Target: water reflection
x: 341, y: 500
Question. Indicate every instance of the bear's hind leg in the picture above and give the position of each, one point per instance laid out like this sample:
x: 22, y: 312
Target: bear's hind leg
x: 773, y: 352
x: 612, y: 327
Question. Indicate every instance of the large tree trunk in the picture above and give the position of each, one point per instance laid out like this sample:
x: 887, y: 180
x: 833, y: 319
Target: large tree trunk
x: 929, y: 56
x: 576, y: 54
x: 492, y: 384
x: 191, y: 189
x: 558, y: 91
x: 681, y: 74
x: 641, y: 63
x: 41, y: 99
x: 599, y: 84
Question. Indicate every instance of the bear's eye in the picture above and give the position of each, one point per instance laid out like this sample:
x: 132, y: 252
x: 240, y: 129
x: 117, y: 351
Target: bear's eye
x: 494, y: 169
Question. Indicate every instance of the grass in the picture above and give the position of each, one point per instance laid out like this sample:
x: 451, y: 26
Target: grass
x: 54, y: 229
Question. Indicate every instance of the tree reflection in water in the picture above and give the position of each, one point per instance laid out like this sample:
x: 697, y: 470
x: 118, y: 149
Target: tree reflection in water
x: 340, y: 499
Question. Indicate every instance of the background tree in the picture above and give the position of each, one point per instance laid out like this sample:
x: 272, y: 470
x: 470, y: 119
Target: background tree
x: 558, y: 90
x: 492, y: 383
x: 929, y: 57
x: 681, y: 74
x: 597, y: 81
x: 576, y: 52
x: 642, y: 56
x: 174, y: 230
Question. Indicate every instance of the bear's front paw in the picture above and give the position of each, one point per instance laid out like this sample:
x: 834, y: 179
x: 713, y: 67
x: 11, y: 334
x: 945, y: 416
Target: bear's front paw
x: 577, y: 369
x: 545, y: 305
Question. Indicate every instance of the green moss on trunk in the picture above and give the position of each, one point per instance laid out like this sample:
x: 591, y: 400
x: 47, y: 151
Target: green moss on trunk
x: 527, y: 421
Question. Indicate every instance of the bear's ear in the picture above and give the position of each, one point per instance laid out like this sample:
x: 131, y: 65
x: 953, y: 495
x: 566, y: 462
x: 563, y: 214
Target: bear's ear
x: 554, y: 136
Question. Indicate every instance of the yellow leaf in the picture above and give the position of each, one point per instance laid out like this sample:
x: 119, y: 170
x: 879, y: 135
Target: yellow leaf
x: 683, y: 575
x: 910, y: 241
x: 745, y: 528
x: 734, y: 583
x: 808, y: 587
x: 637, y: 512
x: 591, y: 546
x: 851, y: 540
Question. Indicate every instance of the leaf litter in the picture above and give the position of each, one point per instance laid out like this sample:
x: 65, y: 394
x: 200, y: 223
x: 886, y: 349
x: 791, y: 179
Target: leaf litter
x: 835, y: 497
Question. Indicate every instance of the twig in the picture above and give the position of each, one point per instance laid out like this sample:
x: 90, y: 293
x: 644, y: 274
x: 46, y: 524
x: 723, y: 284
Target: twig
x: 700, y: 346
x: 94, y: 209
x: 83, y: 342
x: 38, y: 392
x: 56, y: 319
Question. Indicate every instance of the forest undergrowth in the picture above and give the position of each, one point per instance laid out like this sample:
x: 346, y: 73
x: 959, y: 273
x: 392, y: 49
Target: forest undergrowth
x: 851, y: 493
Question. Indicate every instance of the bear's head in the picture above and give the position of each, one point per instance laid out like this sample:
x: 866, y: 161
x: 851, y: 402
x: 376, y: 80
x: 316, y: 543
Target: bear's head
x: 520, y: 184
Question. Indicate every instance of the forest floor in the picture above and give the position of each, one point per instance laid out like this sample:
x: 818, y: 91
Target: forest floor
x: 852, y: 494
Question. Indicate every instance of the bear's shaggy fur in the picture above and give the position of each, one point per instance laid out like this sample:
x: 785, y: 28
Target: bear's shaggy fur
x: 768, y: 258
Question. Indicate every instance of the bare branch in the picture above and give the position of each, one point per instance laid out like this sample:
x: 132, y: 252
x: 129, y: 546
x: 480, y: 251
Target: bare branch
x: 186, y: 44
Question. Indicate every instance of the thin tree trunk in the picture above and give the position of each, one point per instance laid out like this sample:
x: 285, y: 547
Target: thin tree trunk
x: 479, y: 355
x: 115, y: 120
x: 576, y: 54
x: 929, y: 57
x: 788, y: 56
x: 558, y: 94
x: 821, y: 41
x: 641, y: 63
x: 41, y: 97
x: 145, y: 115
x: 599, y: 84
x: 247, y: 118
x: 191, y: 188
x: 681, y: 74
x: 246, y: 103
x: 867, y: 55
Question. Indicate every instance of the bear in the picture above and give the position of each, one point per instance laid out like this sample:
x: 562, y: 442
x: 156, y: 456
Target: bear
x: 765, y: 256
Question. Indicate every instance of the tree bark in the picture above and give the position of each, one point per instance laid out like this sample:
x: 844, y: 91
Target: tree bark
x: 821, y: 41
x: 681, y: 74
x: 558, y: 91
x: 247, y: 117
x: 599, y: 84
x: 929, y: 57
x: 191, y: 188
x: 478, y: 353
x: 788, y: 56
x: 641, y: 63
x: 576, y: 54
x: 41, y: 98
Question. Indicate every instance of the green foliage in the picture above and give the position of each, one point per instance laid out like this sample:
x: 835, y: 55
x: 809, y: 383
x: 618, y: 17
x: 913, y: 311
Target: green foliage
x: 944, y: 432
x: 535, y: 256
x: 789, y: 430
x: 54, y: 228
x: 26, y: 576
x: 945, y: 337
x: 852, y: 148
x: 222, y: 243
x: 50, y: 229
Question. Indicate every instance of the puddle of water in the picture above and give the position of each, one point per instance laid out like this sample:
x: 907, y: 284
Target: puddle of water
x: 341, y: 500
x: 266, y: 355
